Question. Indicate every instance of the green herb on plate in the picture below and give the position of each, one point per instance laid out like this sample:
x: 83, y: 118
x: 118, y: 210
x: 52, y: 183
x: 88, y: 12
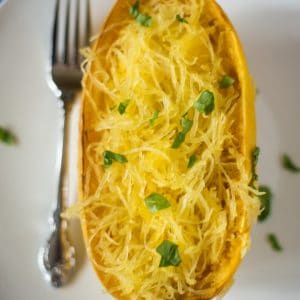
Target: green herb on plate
x: 265, y: 203
x: 156, y: 202
x: 169, y: 254
x: 274, y: 242
x: 7, y: 137
x: 289, y: 165
x: 255, y: 156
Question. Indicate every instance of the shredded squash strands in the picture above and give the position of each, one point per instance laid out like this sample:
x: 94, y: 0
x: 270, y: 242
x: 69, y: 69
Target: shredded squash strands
x: 164, y: 68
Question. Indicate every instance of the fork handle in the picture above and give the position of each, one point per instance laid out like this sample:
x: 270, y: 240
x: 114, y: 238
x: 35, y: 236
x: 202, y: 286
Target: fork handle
x: 58, y: 255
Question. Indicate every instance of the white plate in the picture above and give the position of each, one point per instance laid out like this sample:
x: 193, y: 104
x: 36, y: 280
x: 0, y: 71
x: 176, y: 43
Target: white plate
x: 271, y: 37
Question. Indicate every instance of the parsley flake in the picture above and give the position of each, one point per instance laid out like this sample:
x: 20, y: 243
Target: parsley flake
x: 181, y: 19
x: 109, y: 157
x: 134, y: 9
x: 169, y: 254
x: 265, y: 203
x: 255, y: 156
x: 179, y: 139
x: 156, y: 202
x: 7, y: 137
x: 226, y: 82
x: 192, y: 161
x: 205, y: 103
x: 186, y: 125
x: 141, y: 18
x: 289, y: 165
x: 154, y: 118
x: 274, y: 242
x: 122, y: 106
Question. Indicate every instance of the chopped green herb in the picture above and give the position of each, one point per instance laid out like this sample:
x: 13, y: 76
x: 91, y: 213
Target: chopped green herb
x: 7, y: 137
x: 154, y: 118
x: 122, y: 106
x: 289, y: 165
x: 192, y: 161
x: 169, y: 254
x: 109, y: 157
x: 226, y: 82
x: 186, y: 125
x: 205, y: 103
x: 265, y: 203
x: 181, y: 19
x: 273, y: 240
x: 144, y: 20
x: 255, y: 155
x: 134, y: 10
x: 180, y: 138
x: 156, y: 202
x: 141, y: 18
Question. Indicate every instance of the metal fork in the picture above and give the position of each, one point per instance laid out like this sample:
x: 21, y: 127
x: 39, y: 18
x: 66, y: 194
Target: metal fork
x: 57, y: 258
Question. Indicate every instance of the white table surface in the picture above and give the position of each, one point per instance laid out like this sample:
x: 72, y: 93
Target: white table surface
x: 271, y: 36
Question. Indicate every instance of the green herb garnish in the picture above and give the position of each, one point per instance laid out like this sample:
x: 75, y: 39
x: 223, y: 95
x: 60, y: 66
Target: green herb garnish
x: 134, y: 10
x: 154, y: 118
x: 179, y: 139
x: 7, y: 137
x: 275, y: 244
x: 205, y: 103
x: 144, y: 20
x: 265, y: 203
x: 289, y: 165
x: 186, y: 125
x: 156, y: 202
x: 192, y: 161
x: 169, y: 254
x: 226, y: 82
x: 122, y: 106
x: 255, y: 155
x: 109, y: 157
x: 181, y: 19
x: 141, y: 18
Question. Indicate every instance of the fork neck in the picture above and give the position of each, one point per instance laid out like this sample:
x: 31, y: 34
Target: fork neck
x: 67, y: 96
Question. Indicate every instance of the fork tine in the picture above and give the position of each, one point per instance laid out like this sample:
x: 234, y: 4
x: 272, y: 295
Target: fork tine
x: 66, y: 38
x: 75, y: 46
x: 87, y: 24
x: 55, y: 35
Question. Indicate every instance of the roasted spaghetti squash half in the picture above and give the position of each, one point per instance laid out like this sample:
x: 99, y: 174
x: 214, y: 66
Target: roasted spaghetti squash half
x: 167, y: 181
